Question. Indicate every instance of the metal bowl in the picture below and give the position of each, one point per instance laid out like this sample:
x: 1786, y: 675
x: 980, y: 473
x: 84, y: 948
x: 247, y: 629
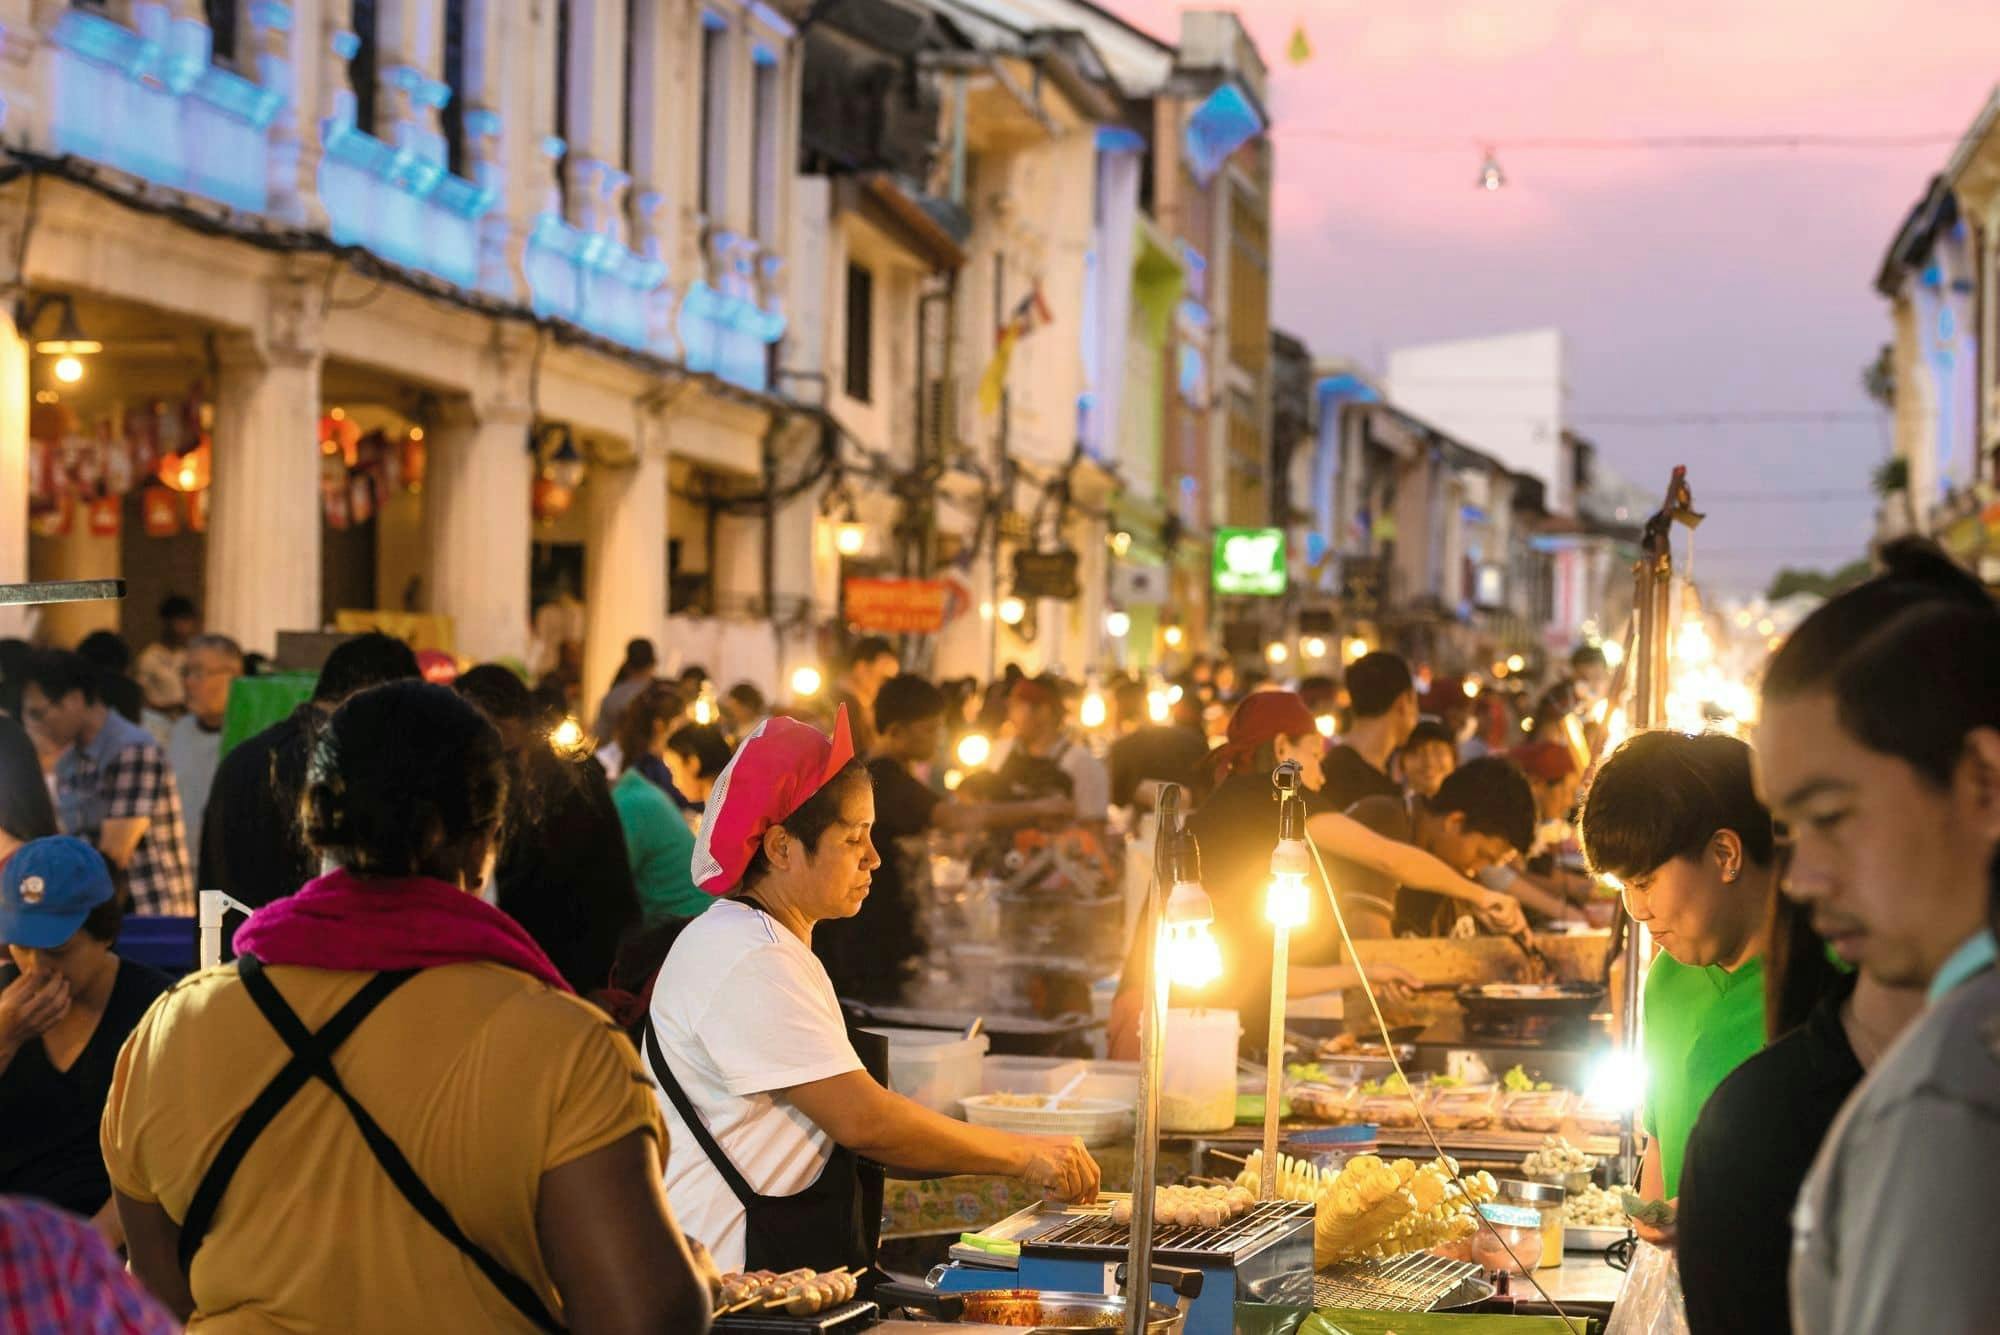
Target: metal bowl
x: 1059, y: 1313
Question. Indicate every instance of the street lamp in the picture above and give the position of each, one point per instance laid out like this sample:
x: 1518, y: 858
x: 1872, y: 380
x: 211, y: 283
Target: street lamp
x: 849, y: 537
x: 1117, y: 623
x: 1276, y: 652
x: 1314, y: 646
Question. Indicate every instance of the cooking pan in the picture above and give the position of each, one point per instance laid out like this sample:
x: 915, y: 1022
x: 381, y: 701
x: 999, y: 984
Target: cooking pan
x: 1503, y: 1002
x: 1050, y: 1313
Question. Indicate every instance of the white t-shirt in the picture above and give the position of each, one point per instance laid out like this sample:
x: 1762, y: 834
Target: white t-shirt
x: 743, y: 1008
x: 1090, y: 781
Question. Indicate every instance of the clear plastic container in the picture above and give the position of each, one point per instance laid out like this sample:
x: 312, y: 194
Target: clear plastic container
x: 1542, y: 1111
x: 1463, y: 1109
x: 1198, y: 1075
x: 1546, y: 1200
x: 935, y: 1067
x: 1397, y: 1110
x: 1520, y: 1227
x: 1323, y: 1102
x: 1027, y: 1075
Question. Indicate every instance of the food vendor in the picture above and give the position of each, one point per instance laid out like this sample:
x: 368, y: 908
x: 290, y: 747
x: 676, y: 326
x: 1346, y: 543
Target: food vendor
x: 1676, y: 820
x: 776, y: 1111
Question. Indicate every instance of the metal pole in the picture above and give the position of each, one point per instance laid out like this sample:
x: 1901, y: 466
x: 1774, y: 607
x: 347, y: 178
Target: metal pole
x: 1274, y: 1060
x: 1152, y: 1059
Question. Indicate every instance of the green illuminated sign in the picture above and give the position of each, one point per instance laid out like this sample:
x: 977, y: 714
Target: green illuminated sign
x: 1250, y: 561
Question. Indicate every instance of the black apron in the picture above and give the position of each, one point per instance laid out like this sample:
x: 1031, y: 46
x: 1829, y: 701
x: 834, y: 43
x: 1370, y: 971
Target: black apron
x: 312, y: 1058
x: 835, y: 1222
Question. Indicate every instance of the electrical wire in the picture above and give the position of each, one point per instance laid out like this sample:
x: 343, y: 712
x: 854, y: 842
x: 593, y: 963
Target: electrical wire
x: 1618, y: 143
x: 1388, y: 1044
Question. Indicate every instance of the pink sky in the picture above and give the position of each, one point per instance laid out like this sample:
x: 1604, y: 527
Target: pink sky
x: 1685, y: 281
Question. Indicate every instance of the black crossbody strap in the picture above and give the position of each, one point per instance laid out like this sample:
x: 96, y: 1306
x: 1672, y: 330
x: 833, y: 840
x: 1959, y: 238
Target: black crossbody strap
x: 268, y: 1104
x: 657, y: 1059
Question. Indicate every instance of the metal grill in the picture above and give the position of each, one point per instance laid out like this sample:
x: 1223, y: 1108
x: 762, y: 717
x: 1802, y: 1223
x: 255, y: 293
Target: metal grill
x: 1094, y: 1231
x: 1413, y: 1283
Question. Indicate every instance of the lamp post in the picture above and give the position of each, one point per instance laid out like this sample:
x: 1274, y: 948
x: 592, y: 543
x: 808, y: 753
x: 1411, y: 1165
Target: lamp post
x: 1285, y: 907
x: 1178, y: 915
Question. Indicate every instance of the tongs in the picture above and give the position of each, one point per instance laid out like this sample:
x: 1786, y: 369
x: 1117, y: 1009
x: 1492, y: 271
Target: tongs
x: 1539, y: 967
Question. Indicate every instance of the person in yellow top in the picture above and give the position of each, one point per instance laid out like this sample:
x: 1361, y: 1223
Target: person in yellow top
x: 391, y: 1114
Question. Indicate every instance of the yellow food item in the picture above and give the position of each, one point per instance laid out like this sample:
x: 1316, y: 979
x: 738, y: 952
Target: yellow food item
x: 1373, y: 1208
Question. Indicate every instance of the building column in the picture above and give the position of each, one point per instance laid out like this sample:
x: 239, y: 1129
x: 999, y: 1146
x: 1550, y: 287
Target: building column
x: 15, y: 396
x: 264, y: 503
x: 625, y: 561
x: 478, y: 480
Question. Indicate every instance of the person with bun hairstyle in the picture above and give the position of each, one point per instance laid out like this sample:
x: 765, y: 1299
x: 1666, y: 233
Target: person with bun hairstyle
x: 778, y: 1112
x: 1879, y: 750
x: 391, y: 1113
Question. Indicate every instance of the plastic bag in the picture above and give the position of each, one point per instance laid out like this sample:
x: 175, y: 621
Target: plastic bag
x: 1651, y: 1302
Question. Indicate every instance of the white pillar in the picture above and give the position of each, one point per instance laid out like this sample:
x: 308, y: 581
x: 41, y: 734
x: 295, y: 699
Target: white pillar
x: 625, y: 562
x: 264, y: 505
x: 478, y: 480
x: 15, y: 393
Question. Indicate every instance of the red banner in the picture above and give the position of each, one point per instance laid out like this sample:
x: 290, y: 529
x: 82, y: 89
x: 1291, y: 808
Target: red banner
x: 912, y: 606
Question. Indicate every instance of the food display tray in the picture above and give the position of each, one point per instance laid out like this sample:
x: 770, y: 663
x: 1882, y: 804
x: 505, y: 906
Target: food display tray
x: 835, y: 1320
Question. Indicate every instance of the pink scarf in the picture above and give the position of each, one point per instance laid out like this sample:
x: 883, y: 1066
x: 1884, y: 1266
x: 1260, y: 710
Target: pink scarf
x: 342, y: 921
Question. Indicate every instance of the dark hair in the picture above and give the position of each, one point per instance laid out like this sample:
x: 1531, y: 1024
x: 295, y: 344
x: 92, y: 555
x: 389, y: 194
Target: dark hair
x: 703, y: 744
x: 908, y: 698
x: 1494, y: 798
x: 1318, y: 691
x: 57, y: 673
x: 639, y: 653
x: 364, y: 661
x: 1915, y: 572
x: 869, y: 648
x: 176, y: 606
x: 1587, y: 655
x: 403, y: 777
x: 499, y: 693
x: 1664, y: 795
x: 656, y: 703
x: 103, y: 922
x: 809, y: 822
x: 106, y: 651
x: 15, y: 655
x: 25, y: 809
x: 752, y: 699
x: 1376, y: 681
x: 692, y: 672
x: 1431, y: 731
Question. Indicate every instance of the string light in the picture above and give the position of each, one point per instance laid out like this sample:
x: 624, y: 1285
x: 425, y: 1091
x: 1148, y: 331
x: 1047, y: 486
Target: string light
x: 1471, y: 689
x: 1314, y: 647
x: 849, y: 537
x: 973, y: 749
x: 1356, y: 649
x: 1012, y: 610
x: 1516, y: 663
x: 806, y: 681
x: 1275, y: 652
x: 1091, y: 712
x: 1117, y: 624
x: 1174, y: 636
x: 1158, y: 707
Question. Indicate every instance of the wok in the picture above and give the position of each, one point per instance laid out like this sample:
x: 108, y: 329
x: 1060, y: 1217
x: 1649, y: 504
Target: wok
x: 1501, y: 1002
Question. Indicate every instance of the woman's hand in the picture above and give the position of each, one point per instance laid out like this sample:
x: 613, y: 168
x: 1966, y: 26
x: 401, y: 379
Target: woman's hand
x: 1665, y: 1236
x: 30, y: 1006
x: 1392, y: 982
x: 1062, y: 1168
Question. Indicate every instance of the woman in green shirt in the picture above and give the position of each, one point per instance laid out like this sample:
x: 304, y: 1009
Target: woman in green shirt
x: 658, y: 842
x: 1676, y: 821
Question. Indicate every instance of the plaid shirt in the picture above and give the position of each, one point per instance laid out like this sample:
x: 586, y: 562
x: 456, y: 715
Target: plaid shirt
x: 123, y: 774
x: 57, y: 1277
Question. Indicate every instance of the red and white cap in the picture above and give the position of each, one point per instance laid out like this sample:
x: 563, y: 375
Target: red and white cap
x: 773, y: 773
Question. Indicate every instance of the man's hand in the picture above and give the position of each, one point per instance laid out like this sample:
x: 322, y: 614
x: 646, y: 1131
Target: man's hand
x: 30, y: 1006
x: 1392, y: 982
x: 1665, y: 1236
x: 1502, y: 914
x: 1062, y: 1168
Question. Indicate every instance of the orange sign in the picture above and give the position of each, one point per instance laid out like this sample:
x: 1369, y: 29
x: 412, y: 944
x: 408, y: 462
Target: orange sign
x: 915, y: 606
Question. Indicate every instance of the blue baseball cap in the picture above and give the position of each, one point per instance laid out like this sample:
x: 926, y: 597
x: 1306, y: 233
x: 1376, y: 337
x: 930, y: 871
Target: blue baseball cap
x: 48, y: 888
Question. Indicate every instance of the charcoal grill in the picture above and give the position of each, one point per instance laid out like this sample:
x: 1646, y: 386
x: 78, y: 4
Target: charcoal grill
x: 1263, y: 1256
x: 1419, y: 1282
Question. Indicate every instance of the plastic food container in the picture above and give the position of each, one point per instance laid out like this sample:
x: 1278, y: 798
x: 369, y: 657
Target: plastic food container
x: 1093, y: 1121
x: 1547, y: 1203
x: 1318, y: 1102
x: 935, y: 1067
x: 1463, y: 1109
x: 1536, y: 1110
x: 1028, y: 1075
x: 1198, y: 1075
x: 1117, y: 1081
x: 1520, y: 1226
x: 1397, y: 1110
x: 1596, y: 1120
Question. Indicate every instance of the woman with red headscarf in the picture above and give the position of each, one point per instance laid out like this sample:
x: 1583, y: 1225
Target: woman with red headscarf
x: 776, y: 1111
x: 1237, y: 828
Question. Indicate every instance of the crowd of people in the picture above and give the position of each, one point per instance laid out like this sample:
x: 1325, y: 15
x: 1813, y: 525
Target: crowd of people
x: 535, y: 1026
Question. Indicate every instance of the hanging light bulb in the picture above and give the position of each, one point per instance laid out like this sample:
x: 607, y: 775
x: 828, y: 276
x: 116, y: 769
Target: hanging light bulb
x: 1012, y: 610
x: 1614, y: 654
x: 565, y: 466
x: 1471, y: 689
x: 1286, y: 902
x: 1356, y: 648
x: 1117, y: 623
x: 1158, y: 707
x: 1276, y: 652
x: 1516, y: 663
x: 849, y: 537
x: 1490, y: 175
x: 68, y: 369
x: 1188, y: 954
x: 1174, y: 636
x: 1314, y: 647
x: 973, y: 749
x: 1091, y: 711
x: 806, y: 681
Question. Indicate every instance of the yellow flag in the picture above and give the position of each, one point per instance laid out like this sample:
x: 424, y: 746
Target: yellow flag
x: 993, y: 381
x: 1300, y: 50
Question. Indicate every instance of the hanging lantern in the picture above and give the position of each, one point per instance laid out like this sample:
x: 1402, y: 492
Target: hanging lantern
x: 160, y: 511
x: 360, y: 497
x: 186, y: 472
x: 415, y: 459
x: 564, y: 465
x: 41, y: 472
x: 81, y: 462
x: 550, y: 499
x: 119, y: 475
x: 197, y: 511
x: 54, y: 521
x: 106, y: 516
x: 142, y: 438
